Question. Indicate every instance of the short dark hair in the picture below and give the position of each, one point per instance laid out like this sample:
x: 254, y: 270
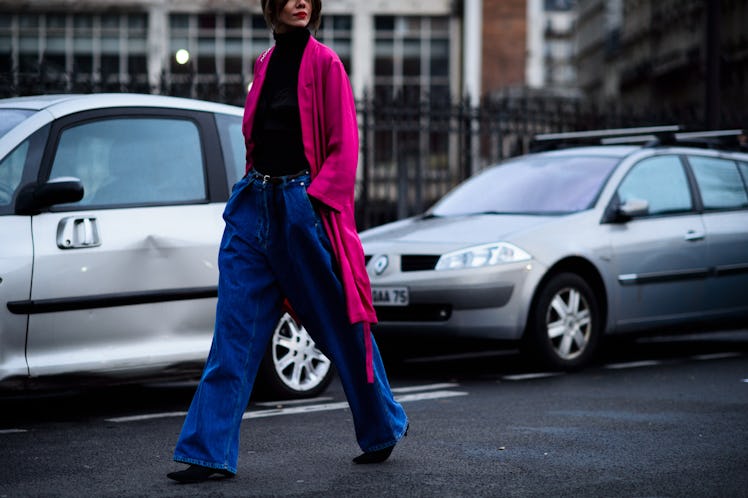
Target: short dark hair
x: 271, y: 8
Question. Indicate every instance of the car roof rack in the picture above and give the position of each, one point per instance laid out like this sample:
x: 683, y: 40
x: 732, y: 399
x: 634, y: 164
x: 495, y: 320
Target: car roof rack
x: 553, y: 141
x: 647, y: 136
x: 734, y: 139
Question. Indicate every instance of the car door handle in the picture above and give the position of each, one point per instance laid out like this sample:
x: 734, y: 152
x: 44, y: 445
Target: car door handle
x: 78, y: 233
x: 693, y: 235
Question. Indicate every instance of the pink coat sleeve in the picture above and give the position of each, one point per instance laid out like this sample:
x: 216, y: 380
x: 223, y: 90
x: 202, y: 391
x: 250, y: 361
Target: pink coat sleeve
x: 335, y: 183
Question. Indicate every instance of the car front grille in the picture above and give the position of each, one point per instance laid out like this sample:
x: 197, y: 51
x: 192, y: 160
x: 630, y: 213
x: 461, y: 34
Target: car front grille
x: 412, y: 262
x: 414, y: 313
x: 418, y: 262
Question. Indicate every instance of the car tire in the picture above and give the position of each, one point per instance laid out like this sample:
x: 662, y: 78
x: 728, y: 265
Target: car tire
x: 564, y: 325
x: 293, y: 367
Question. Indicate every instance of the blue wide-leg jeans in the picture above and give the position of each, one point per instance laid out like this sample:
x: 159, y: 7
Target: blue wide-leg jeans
x: 274, y: 246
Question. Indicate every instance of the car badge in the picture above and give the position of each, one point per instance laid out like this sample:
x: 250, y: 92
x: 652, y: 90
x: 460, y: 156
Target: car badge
x: 380, y: 264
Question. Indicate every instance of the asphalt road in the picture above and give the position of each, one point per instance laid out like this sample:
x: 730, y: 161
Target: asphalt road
x: 666, y: 418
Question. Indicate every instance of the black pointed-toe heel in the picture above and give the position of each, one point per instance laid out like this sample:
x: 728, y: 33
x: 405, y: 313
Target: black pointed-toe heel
x: 377, y: 456
x: 198, y: 473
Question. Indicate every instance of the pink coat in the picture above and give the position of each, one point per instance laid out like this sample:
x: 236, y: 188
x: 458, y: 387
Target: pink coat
x: 329, y: 130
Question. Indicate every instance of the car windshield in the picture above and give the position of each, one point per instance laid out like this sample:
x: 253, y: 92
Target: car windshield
x: 9, y: 119
x: 537, y: 184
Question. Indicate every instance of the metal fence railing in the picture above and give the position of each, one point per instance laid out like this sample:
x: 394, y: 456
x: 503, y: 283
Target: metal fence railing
x: 412, y: 153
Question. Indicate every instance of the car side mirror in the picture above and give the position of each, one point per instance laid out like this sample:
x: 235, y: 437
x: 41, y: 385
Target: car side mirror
x: 34, y: 197
x: 627, y: 211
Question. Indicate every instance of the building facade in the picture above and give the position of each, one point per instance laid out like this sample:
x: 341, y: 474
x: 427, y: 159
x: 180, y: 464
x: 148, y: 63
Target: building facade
x: 551, y: 46
x: 388, y: 47
x: 435, y: 49
x: 685, y: 61
x: 599, y: 24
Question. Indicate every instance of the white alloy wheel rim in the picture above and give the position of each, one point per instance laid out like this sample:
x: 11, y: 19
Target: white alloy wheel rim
x: 569, y: 323
x: 298, y: 363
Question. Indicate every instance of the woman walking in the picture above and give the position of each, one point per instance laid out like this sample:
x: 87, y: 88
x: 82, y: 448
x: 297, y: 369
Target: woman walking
x: 290, y: 234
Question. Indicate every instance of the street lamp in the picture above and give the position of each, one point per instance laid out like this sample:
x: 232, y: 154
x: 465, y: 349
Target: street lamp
x: 182, y: 56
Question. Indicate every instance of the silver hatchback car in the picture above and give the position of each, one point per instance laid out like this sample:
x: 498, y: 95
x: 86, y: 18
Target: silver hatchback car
x: 558, y: 248
x: 110, y: 221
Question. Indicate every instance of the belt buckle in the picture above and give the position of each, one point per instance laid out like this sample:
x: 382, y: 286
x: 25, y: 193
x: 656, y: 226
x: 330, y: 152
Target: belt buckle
x: 266, y: 178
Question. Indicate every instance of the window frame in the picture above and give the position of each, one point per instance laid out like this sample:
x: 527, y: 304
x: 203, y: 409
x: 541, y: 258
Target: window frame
x: 215, y: 48
x: 223, y: 123
x: 62, y: 39
x: 697, y: 188
x: 212, y: 159
x: 696, y: 206
x: 37, y: 143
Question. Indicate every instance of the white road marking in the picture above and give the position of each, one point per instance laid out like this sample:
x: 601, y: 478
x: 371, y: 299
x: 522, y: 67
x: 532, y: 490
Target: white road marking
x: 294, y: 401
x: 716, y: 356
x: 340, y: 405
x: 529, y: 376
x: 745, y: 380
x: 12, y: 431
x: 429, y: 395
x: 428, y: 387
x: 149, y: 416
x: 632, y: 364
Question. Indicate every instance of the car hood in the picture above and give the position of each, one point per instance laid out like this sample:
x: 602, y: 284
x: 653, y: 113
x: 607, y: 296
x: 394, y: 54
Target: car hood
x: 439, y: 234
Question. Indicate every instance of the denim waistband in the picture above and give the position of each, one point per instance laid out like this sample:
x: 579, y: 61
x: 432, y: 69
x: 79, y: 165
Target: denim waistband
x: 277, y: 180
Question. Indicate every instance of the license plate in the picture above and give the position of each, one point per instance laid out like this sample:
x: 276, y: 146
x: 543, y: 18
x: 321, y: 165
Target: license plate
x: 390, y: 296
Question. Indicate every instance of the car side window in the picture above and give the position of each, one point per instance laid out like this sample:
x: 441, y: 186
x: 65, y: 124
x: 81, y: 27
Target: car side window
x: 744, y: 173
x: 11, y: 172
x: 133, y: 161
x: 719, y: 182
x: 662, y: 182
x: 232, y: 145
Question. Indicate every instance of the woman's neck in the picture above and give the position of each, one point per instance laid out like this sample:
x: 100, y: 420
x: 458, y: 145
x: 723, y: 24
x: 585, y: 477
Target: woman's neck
x: 291, y: 37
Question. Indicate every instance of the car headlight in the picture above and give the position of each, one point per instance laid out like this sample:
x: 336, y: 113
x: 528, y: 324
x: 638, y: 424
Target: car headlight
x: 481, y: 256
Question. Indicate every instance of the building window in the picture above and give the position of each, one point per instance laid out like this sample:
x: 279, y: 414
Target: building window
x: 411, y: 58
x: 559, y: 5
x: 336, y: 32
x: 410, y: 141
x: 217, y: 51
x: 60, y: 51
x: 6, y: 55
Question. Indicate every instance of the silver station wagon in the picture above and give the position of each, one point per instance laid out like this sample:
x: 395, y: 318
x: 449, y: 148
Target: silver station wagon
x: 557, y: 248
x: 110, y: 221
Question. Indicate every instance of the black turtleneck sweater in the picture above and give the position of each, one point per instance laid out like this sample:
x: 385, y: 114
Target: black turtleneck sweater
x: 276, y: 132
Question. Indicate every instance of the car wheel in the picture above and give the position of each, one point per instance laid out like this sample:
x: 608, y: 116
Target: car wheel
x: 293, y: 366
x: 564, y: 324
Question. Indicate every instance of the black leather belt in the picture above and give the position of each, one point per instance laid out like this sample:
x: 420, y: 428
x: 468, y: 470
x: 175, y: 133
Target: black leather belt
x: 277, y: 180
